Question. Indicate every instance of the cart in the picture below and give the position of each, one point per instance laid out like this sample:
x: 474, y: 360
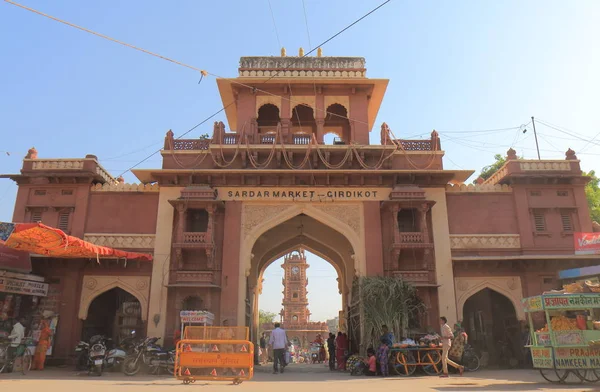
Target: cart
x: 405, y: 360
x: 568, y: 348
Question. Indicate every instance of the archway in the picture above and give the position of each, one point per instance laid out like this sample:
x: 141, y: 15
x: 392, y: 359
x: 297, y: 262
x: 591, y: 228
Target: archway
x: 336, y: 122
x: 267, y: 120
x: 300, y: 230
x: 490, y: 320
x: 115, y: 313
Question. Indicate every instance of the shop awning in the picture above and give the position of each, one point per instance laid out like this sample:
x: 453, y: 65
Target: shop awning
x: 45, y: 240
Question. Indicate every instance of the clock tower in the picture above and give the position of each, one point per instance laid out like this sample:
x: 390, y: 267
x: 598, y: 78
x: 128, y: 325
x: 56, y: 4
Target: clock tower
x: 295, y: 301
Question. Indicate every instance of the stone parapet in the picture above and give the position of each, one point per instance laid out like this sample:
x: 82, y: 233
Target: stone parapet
x: 122, y: 187
x: 477, y: 188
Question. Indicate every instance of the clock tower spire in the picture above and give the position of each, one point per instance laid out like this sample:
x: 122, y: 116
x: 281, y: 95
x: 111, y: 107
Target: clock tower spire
x: 295, y: 300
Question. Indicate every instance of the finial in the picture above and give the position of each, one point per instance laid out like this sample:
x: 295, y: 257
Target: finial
x: 570, y: 155
x: 120, y: 180
x: 282, y: 52
x: 31, y: 153
x: 169, y: 133
x: 511, y: 154
x: 301, y: 52
x: 319, y: 52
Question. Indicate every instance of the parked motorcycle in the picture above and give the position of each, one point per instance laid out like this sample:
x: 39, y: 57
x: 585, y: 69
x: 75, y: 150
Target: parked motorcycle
x: 81, y: 355
x: 116, y: 355
x: 96, y: 356
x: 150, y: 355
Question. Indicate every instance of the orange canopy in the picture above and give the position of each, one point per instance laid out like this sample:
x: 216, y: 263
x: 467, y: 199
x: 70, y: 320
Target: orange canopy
x: 45, y: 240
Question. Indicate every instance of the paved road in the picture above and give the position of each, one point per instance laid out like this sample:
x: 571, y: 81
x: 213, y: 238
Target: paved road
x: 301, y: 378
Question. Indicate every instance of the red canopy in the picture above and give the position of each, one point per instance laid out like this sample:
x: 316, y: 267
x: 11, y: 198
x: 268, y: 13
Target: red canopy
x: 45, y: 240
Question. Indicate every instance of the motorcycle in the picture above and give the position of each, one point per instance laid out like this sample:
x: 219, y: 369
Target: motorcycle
x: 96, y: 355
x: 149, y: 354
x: 116, y: 356
x: 81, y: 353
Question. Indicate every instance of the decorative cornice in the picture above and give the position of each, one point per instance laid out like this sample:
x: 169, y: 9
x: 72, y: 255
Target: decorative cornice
x: 545, y: 165
x: 477, y: 188
x: 485, y: 241
x: 121, y: 241
x: 57, y: 164
x: 122, y: 187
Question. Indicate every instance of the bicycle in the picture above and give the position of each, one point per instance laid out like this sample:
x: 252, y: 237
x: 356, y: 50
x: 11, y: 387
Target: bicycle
x: 22, y: 352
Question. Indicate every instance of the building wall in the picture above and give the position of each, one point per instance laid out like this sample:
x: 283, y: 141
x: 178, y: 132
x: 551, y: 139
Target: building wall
x: 482, y: 213
x: 119, y: 212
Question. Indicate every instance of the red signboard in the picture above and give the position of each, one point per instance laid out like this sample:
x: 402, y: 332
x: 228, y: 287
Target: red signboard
x: 587, y: 243
x: 14, y: 260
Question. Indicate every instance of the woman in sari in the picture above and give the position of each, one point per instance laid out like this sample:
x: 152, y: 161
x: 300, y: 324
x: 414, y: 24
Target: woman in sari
x: 341, y: 345
x: 42, y: 347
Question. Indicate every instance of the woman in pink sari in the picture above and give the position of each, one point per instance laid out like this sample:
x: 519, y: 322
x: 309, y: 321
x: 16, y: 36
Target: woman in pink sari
x: 341, y: 345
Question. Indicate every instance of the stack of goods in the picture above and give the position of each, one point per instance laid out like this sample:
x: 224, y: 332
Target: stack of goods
x: 573, y: 288
x: 405, y: 343
x: 431, y: 340
x: 561, y: 323
x: 352, y: 362
x: 593, y: 287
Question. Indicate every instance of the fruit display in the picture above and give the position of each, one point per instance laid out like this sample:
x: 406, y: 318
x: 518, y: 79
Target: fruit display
x: 561, y: 323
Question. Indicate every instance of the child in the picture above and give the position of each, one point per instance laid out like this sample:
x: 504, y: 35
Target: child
x: 382, y: 356
x: 371, y: 362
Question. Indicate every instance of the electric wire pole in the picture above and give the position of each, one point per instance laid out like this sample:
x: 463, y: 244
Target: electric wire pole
x: 537, y: 147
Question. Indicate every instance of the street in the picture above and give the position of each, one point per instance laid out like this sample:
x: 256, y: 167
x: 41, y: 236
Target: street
x: 299, y: 378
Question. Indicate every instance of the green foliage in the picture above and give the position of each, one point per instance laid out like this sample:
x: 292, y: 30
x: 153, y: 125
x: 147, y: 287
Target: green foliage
x: 265, y: 317
x: 388, y: 301
x: 204, y: 137
x: 592, y: 193
x: 489, y: 170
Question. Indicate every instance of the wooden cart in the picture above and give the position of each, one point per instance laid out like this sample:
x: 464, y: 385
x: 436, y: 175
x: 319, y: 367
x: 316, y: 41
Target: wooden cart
x: 405, y: 360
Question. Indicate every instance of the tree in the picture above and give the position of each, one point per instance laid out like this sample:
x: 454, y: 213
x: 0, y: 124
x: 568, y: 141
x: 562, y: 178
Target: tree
x: 265, y: 317
x: 489, y: 170
x: 592, y: 193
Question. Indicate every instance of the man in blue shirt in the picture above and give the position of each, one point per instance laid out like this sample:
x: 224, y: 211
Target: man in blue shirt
x: 279, y: 343
x: 387, y: 338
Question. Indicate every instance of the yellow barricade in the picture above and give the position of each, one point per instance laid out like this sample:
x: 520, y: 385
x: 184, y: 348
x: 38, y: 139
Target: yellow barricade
x: 216, y: 333
x: 212, y: 359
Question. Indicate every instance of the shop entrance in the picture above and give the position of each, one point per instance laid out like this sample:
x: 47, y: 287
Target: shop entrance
x: 491, y: 322
x: 114, y: 314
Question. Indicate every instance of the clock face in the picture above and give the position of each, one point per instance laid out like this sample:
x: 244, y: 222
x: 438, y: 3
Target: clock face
x: 295, y: 270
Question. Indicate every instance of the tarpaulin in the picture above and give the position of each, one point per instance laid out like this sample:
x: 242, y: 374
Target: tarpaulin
x: 44, y: 240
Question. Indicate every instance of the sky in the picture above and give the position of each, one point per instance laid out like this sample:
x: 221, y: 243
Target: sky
x: 325, y: 301
x: 473, y: 70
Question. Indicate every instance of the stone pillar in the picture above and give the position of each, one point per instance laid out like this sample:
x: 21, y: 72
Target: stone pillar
x: 286, y: 134
x: 423, y: 208
x: 181, y: 214
x: 232, y: 272
x: 320, y: 130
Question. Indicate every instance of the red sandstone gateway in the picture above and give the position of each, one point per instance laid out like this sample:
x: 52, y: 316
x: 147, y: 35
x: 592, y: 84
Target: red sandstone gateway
x: 213, y: 215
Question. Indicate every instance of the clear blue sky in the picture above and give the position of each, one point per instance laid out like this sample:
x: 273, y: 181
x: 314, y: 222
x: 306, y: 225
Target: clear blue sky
x: 456, y: 66
x: 323, y: 295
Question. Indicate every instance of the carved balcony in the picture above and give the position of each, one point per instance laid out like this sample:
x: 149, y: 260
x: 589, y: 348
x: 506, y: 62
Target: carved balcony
x: 416, y: 278
x: 196, y: 240
x: 406, y: 240
x: 196, y: 277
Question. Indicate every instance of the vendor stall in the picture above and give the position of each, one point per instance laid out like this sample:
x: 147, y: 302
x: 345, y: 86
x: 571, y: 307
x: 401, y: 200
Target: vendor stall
x: 569, y: 344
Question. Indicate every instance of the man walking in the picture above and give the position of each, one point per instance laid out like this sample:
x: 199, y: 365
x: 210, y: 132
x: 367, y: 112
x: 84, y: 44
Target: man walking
x: 263, y: 348
x: 447, y: 337
x: 279, y: 344
x: 331, y: 349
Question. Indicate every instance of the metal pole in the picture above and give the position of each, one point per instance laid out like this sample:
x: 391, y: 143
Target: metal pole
x: 537, y: 147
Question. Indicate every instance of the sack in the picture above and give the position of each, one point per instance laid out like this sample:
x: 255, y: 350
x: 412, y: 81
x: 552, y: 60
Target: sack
x: 288, y: 357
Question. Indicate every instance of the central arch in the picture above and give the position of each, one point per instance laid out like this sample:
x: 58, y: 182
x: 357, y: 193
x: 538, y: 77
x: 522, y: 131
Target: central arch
x: 332, y: 237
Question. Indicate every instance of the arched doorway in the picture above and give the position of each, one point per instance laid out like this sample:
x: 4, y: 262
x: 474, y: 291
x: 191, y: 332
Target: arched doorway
x: 267, y: 122
x: 114, y: 314
x: 336, y: 122
x: 490, y: 320
x: 300, y: 231
x: 303, y: 124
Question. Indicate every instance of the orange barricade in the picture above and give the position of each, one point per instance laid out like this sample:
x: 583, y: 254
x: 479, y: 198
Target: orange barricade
x: 212, y: 359
x: 216, y: 333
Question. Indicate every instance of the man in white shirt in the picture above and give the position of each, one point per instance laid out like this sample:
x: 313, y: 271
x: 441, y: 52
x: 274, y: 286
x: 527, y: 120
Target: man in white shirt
x: 279, y: 343
x: 447, y: 337
x: 16, y: 337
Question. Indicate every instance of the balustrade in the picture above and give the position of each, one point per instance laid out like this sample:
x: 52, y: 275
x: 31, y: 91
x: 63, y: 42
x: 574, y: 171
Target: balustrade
x: 411, y: 237
x: 267, y: 139
x: 301, y: 139
x: 194, y: 238
x: 230, y: 138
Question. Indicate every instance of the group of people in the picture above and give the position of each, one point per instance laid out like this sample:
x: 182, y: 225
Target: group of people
x: 337, y: 348
x: 16, y: 338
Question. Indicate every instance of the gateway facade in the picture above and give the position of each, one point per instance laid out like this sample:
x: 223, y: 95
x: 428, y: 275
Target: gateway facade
x: 220, y: 210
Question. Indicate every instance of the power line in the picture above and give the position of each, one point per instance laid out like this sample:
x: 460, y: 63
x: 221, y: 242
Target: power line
x: 306, y: 23
x: 568, y: 133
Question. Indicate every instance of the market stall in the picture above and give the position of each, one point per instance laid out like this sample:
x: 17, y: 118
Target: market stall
x: 567, y: 348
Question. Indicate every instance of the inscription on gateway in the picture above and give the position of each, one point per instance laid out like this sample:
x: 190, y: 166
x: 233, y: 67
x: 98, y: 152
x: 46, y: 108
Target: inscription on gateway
x: 302, y: 194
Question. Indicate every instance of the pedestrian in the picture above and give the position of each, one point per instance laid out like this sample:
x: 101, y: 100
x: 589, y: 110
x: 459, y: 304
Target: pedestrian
x: 42, y: 347
x: 263, y: 348
x: 331, y: 350
x: 279, y: 344
x: 447, y: 337
x: 341, y: 345
x: 382, y: 356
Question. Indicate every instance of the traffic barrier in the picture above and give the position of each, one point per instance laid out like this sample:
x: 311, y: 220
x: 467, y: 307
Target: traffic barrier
x: 216, y: 333
x: 216, y: 360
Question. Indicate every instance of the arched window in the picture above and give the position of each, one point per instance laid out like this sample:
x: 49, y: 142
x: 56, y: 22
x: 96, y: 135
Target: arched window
x: 336, y: 122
